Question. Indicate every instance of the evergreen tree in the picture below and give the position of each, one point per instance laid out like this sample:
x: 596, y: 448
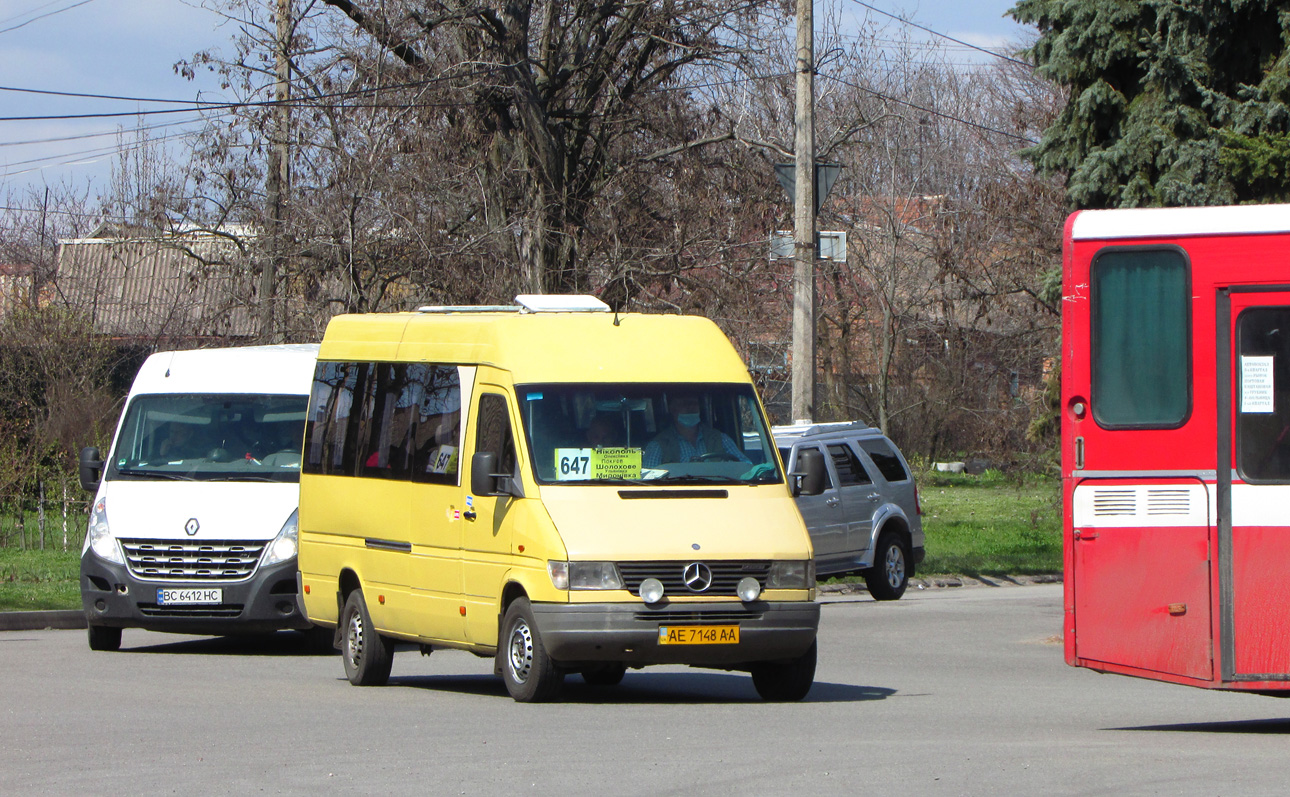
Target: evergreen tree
x: 1172, y: 102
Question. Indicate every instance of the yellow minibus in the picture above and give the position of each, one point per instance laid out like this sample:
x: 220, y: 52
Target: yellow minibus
x: 556, y: 486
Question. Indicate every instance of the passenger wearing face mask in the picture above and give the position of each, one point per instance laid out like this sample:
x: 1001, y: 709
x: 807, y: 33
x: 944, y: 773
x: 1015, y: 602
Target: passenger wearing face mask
x: 688, y: 439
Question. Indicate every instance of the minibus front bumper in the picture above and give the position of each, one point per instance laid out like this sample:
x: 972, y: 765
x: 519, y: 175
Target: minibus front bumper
x: 630, y: 633
x: 112, y: 596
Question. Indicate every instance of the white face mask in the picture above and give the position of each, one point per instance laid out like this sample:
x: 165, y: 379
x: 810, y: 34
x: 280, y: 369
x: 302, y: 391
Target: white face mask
x: 688, y: 419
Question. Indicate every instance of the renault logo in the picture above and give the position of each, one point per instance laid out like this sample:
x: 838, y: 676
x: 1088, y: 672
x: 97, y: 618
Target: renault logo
x: 192, y: 526
x: 697, y: 576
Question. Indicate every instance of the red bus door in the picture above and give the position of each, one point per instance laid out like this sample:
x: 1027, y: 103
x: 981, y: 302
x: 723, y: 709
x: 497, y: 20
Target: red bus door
x: 1253, y: 495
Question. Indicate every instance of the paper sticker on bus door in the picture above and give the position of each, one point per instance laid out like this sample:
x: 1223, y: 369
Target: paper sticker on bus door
x: 1256, y: 385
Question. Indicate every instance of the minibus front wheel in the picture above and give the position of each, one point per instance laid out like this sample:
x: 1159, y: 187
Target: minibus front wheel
x: 368, y: 657
x: 530, y: 674
x: 785, y: 681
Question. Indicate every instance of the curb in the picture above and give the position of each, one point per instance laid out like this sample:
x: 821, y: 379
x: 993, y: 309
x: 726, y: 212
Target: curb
x: 36, y: 621
x: 945, y: 582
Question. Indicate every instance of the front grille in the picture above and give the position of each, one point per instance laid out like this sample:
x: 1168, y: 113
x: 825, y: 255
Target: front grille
x: 224, y: 610
x: 725, y: 575
x: 673, y: 617
x: 183, y: 560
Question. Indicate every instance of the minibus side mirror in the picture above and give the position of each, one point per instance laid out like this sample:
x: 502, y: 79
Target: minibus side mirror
x: 808, y: 479
x: 91, y: 468
x: 484, y: 478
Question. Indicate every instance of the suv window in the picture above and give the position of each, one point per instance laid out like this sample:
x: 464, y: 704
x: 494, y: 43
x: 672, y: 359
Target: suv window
x: 848, y: 466
x: 888, y: 463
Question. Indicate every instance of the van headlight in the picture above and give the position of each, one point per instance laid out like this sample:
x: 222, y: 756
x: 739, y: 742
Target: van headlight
x: 101, y: 541
x: 285, y: 545
x: 584, y: 575
x: 798, y: 574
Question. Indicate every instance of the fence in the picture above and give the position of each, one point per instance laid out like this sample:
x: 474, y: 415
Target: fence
x: 55, y: 518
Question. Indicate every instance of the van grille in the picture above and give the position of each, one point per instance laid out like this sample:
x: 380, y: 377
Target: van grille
x: 221, y: 611
x: 201, y: 561
x: 725, y: 575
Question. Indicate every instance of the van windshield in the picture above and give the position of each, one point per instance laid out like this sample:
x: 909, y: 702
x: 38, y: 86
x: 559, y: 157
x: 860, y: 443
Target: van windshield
x: 211, y: 438
x: 685, y: 433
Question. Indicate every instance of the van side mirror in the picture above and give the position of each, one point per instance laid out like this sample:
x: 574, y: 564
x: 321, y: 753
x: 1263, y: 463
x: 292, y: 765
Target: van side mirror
x: 485, y: 480
x: 91, y: 468
x: 808, y: 479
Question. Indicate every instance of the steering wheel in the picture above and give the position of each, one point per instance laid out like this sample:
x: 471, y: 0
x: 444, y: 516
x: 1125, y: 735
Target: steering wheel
x: 715, y: 456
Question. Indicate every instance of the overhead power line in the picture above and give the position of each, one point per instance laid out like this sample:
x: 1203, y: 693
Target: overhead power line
x: 932, y: 111
x: 42, y: 16
x: 945, y: 36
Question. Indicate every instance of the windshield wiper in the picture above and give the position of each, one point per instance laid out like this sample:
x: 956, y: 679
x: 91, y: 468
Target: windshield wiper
x: 694, y: 479
x: 155, y: 474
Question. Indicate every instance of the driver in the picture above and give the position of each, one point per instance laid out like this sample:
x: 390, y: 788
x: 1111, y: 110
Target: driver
x: 688, y: 439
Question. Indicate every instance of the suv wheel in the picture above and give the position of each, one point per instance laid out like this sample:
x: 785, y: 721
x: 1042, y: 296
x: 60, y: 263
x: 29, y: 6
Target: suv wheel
x: 889, y: 575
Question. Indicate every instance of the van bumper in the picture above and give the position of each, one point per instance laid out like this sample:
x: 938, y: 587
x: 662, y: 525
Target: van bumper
x: 629, y: 633
x: 111, y: 596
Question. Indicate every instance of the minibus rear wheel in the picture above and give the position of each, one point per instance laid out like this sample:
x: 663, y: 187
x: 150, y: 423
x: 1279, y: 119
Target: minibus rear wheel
x: 609, y: 675
x: 785, y: 681
x: 530, y: 674
x: 368, y: 657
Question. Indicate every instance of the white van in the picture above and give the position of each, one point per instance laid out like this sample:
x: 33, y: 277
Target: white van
x: 193, y: 528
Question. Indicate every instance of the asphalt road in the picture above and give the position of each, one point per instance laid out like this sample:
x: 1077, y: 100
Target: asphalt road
x: 944, y: 692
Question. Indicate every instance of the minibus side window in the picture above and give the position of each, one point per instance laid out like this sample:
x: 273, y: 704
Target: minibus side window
x: 329, y: 419
x: 382, y: 426
x: 1141, y: 331
x: 1263, y: 398
x: 493, y: 431
x: 433, y: 393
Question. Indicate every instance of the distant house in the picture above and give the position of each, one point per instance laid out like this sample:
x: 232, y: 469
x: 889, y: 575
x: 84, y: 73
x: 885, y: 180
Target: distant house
x: 15, y: 285
x: 147, y: 286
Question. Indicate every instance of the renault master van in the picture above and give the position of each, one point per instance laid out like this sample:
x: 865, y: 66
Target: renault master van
x: 193, y: 528
x: 554, y: 486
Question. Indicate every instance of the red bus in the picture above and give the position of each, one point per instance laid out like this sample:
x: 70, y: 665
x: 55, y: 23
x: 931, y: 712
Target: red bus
x: 1176, y: 444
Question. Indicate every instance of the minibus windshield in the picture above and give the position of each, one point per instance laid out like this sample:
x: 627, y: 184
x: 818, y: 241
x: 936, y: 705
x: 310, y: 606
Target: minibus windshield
x: 681, y: 433
x: 211, y: 438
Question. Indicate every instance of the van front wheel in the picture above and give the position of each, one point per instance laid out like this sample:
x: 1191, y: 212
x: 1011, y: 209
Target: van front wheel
x: 368, y: 657
x: 530, y: 674
x: 104, y: 637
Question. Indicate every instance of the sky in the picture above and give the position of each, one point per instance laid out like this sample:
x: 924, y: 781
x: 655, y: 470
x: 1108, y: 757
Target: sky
x: 129, y: 48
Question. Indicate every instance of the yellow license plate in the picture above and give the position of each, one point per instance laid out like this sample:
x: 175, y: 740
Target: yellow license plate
x: 698, y: 635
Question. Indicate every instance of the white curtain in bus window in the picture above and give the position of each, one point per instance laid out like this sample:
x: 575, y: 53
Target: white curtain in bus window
x: 1140, y: 339
x: 1263, y: 383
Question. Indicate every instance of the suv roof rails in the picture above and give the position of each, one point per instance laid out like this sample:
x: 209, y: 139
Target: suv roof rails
x: 807, y: 429
x: 528, y: 303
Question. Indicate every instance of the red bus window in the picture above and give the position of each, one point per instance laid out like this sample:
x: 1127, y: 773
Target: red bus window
x: 1263, y: 417
x: 1140, y: 339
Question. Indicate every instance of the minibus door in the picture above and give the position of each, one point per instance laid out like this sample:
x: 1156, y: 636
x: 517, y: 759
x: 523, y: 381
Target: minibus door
x: 1254, y: 483
x: 486, y: 537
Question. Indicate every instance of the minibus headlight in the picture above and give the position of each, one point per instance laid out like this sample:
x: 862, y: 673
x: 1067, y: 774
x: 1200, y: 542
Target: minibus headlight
x: 584, y: 575
x: 286, y: 544
x: 798, y: 574
x: 102, y: 542
x: 748, y: 589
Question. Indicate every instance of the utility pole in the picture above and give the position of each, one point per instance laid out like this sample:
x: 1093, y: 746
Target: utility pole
x: 803, y: 374
x: 278, y: 180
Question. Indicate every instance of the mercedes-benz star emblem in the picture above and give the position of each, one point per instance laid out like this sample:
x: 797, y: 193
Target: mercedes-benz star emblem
x: 192, y: 526
x: 697, y: 576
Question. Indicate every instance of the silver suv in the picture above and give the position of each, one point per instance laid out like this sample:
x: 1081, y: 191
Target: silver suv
x: 867, y: 519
